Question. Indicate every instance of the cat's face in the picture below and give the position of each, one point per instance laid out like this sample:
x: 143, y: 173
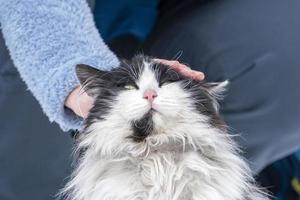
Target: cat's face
x: 144, y: 99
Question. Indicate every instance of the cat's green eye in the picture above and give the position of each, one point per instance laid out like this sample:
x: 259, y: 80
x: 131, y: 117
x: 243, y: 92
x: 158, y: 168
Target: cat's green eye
x: 129, y: 87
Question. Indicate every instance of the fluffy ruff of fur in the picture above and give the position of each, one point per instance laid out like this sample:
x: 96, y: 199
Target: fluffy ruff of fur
x: 187, y: 155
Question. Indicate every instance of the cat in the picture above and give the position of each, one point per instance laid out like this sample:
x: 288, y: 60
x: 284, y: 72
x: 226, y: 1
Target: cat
x: 153, y: 134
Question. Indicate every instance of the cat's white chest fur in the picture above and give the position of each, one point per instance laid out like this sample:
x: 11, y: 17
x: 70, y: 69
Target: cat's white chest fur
x: 160, y: 176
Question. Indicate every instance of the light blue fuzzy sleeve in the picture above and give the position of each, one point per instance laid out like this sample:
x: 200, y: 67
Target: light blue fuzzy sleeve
x: 46, y: 39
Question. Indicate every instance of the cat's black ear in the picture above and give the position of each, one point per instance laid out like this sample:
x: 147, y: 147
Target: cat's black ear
x: 92, y: 79
x: 216, y: 89
x: 86, y: 73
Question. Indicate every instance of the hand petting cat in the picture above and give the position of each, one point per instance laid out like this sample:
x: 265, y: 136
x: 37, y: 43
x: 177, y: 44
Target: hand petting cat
x: 80, y: 103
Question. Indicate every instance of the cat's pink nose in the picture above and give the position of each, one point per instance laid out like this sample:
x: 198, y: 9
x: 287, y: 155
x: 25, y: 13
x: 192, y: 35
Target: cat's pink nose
x: 150, y: 95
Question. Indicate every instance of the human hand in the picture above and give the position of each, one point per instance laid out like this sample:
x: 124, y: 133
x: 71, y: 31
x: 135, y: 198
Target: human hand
x: 80, y: 103
x: 183, y: 69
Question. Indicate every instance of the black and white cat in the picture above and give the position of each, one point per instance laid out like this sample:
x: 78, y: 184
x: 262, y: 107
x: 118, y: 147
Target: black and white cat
x: 156, y: 135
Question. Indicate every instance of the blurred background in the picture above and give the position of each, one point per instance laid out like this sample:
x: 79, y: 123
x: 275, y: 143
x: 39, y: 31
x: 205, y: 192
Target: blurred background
x: 255, y: 44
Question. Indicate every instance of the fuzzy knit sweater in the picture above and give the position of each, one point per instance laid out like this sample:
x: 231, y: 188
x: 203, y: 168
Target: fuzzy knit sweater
x: 46, y: 39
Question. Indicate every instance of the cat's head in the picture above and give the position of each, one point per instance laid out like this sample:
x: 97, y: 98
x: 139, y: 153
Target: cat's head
x: 144, y: 103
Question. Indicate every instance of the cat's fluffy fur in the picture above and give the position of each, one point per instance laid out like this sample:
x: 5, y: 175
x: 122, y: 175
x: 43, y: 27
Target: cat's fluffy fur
x: 179, y: 150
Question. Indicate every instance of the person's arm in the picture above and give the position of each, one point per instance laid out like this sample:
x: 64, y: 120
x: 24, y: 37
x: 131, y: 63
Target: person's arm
x: 46, y: 39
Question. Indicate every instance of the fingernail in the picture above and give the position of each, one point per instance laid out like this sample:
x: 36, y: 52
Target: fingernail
x: 198, y: 75
x: 201, y: 76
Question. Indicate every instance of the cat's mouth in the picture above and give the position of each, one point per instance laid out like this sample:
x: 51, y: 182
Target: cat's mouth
x: 152, y: 111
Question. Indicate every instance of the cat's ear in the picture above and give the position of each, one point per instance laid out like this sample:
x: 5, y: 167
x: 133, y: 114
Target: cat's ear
x: 86, y: 73
x: 216, y: 89
x: 92, y: 79
x: 89, y: 75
